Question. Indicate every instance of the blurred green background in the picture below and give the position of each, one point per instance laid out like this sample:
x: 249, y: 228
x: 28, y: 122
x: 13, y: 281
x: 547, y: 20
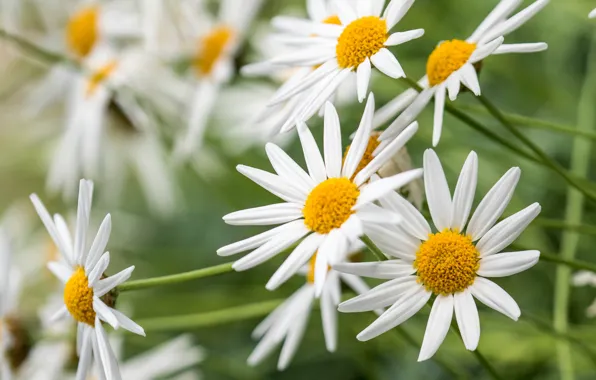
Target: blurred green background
x: 545, y: 85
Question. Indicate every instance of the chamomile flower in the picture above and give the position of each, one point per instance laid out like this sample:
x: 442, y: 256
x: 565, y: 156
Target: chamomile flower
x: 287, y: 323
x: 327, y: 206
x: 449, y: 264
x: 215, y: 41
x: 109, y: 130
x: 586, y: 278
x: 360, y: 42
x: 452, y: 64
x: 87, y: 290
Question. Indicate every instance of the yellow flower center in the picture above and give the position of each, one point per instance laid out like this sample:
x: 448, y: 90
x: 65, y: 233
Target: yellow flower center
x: 99, y: 76
x: 334, y: 19
x: 373, y: 143
x: 447, y: 262
x: 78, y: 297
x: 82, y: 31
x: 211, y: 47
x: 330, y: 204
x: 447, y: 58
x: 360, y: 39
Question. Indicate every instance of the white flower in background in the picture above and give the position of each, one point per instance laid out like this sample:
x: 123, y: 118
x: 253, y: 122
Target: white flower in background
x: 287, y: 323
x: 450, y: 264
x: 357, y: 44
x: 87, y: 289
x: 109, y: 129
x: 327, y: 206
x: 592, y: 13
x: 452, y: 64
x: 586, y: 278
x: 213, y: 43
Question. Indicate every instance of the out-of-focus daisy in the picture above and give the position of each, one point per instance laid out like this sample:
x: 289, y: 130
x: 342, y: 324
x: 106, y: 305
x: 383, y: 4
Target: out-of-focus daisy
x: 288, y: 322
x: 453, y: 63
x: 586, y: 278
x: 450, y: 264
x: 592, y: 13
x: 214, y: 43
x: 109, y: 128
x: 327, y: 206
x: 359, y: 42
x: 87, y: 291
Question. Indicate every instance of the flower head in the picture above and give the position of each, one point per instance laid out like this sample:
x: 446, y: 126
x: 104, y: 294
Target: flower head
x: 449, y: 263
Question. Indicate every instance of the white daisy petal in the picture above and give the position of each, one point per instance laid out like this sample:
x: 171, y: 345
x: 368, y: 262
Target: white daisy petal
x: 380, y: 296
x: 64, y: 234
x: 393, y: 241
x: 394, y: 107
x: 105, y: 313
x: 467, y: 318
x: 328, y: 250
x: 396, y: 10
x: 485, y: 50
x: 386, y: 154
x: 329, y: 319
x: 399, y: 38
x: 345, y: 12
x: 316, y: 55
x: 287, y: 91
x: 316, y: 9
x: 453, y: 85
x: 288, y: 168
x: 99, y: 269
x: 85, y: 360
x: 300, y: 256
x: 515, y: 22
x: 521, y: 48
x: 106, y: 285
x: 493, y: 204
x: 437, y: 190
x: 463, y: 196
x: 384, y: 270
x: 332, y: 141
x: 312, y: 154
x: 363, y: 79
x: 409, y: 115
x: 469, y: 78
x: 60, y: 314
x: 592, y: 14
x: 99, y: 243
x: 438, y: 325
x: 83, y: 211
x: 415, y: 224
x: 507, y: 263
x: 498, y: 14
x: 272, y: 183
x: 439, y: 111
x: 364, y: 8
x: 380, y: 188
x: 352, y: 228
x: 47, y: 221
x: 110, y: 364
x: 127, y: 323
x: 371, y: 213
x: 493, y: 296
x: 277, y: 213
x: 360, y: 142
x: 260, y: 239
x: 60, y: 270
x: 408, y: 305
x: 386, y: 62
x: 294, y: 336
x: 506, y: 231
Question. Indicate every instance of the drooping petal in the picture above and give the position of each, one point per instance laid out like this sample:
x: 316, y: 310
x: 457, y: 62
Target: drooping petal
x: 468, y: 321
x: 438, y: 325
x: 493, y: 296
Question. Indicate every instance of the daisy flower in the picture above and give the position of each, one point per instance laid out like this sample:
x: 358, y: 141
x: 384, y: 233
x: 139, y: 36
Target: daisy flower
x: 586, y: 278
x: 327, y: 206
x: 287, y: 323
x: 449, y: 264
x: 109, y: 130
x: 453, y: 63
x: 592, y: 14
x: 358, y: 43
x: 214, y: 44
x: 87, y: 290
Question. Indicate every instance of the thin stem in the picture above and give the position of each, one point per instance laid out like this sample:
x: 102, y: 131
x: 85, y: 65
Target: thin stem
x: 175, y: 278
x: 580, y: 160
x: 486, y: 364
x: 530, y: 122
x: 573, y: 264
x: 211, y: 318
x: 563, y: 225
x: 555, y: 166
x: 373, y: 248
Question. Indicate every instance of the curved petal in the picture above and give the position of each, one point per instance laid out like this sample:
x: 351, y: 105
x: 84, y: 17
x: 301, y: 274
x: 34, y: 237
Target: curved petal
x: 493, y: 296
x: 438, y: 325
x: 312, y: 154
x: 468, y: 321
x: 437, y: 190
x: 507, y: 263
x: 464, y: 192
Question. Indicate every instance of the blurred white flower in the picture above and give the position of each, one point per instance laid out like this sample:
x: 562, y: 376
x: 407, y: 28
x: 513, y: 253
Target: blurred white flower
x: 592, y: 13
x: 353, y: 40
x: 327, y: 206
x: 288, y: 322
x: 451, y: 65
x: 586, y: 278
x: 449, y: 264
x: 87, y: 289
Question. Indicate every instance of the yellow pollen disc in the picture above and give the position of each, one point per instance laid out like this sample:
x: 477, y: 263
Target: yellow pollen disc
x: 360, y: 39
x: 447, y: 262
x: 334, y: 19
x: 211, y: 47
x: 82, y: 31
x: 447, y: 58
x: 373, y: 143
x: 78, y: 297
x: 330, y: 204
x: 99, y: 76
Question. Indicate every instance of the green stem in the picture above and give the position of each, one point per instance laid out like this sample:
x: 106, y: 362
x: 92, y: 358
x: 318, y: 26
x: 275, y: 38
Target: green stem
x: 580, y: 160
x: 569, y: 263
x: 563, y: 225
x: 531, y: 122
x: 486, y: 364
x: 373, y: 248
x: 211, y: 318
x: 175, y: 278
x: 548, y: 161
